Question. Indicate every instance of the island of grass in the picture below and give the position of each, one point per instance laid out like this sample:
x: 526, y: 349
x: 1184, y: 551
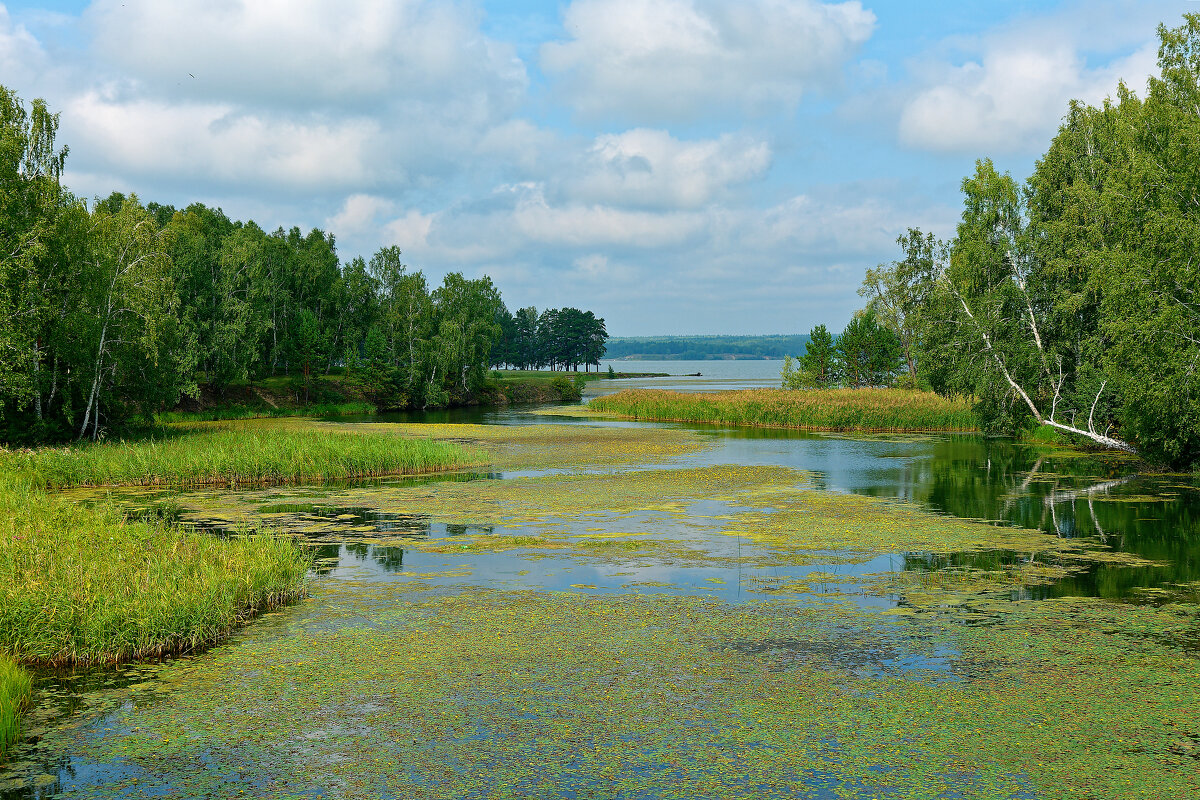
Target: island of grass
x: 83, y: 585
x: 861, y: 410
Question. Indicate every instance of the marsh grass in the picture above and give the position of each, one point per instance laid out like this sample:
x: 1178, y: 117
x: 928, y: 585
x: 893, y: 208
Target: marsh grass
x: 869, y: 410
x: 234, y: 454
x: 86, y: 585
x: 15, y: 686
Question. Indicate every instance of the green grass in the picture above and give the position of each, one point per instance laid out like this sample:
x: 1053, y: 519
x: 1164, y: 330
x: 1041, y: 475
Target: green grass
x: 86, y: 585
x: 828, y: 409
x: 14, y: 696
x: 231, y: 454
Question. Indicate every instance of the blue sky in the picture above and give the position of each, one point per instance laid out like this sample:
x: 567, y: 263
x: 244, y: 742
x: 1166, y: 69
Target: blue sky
x: 677, y: 166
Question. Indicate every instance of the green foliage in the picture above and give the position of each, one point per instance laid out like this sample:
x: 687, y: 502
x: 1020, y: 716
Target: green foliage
x: 820, y: 359
x: 793, y: 376
x: 868, y: 354
x: 1073, y: 302
x: 567, y: 389
x: 900, y: 294
x: 15, y: 685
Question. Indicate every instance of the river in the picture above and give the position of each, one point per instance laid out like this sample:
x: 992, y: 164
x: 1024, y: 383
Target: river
x: 641, y: 610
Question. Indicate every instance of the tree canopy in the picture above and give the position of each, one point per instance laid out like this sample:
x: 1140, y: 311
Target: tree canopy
x: 115, y: 308
x: 1073, y: 301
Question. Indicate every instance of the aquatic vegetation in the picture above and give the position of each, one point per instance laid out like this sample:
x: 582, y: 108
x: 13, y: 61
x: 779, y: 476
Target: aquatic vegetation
x: 823, y: 409
x: 14, y: 696
x: 516, y: 694
x: 232, y: 453
x: 84, y: 584
x: 878, y: 649
x: 537, y: 447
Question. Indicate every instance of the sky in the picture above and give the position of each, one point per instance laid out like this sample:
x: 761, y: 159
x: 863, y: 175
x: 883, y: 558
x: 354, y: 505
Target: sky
x: 675, y: 166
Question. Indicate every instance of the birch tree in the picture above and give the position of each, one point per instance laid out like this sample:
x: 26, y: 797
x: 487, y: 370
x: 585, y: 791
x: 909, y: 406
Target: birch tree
x: 125, y: 318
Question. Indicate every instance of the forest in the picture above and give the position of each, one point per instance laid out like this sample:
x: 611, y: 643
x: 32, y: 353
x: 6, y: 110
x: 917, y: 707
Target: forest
x: 113, y: 310
x: 1071, y: 301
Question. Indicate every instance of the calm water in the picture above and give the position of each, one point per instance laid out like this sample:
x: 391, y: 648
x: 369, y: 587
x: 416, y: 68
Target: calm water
x: 714, y: 375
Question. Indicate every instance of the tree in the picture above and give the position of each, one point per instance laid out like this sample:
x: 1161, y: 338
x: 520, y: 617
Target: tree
x: 820, y: 358
x: 465, y: 312
x: 32, y: 268
x: 526, y: 350
x: 900, y: 293
x: 131, y: 304
x: 868, y: 355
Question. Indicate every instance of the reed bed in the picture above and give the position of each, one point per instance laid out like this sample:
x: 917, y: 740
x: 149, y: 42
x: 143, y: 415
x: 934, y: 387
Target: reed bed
x: 864, y: 410
x: 234, y: 455
x: 86, y: 585
x: 15, y: 685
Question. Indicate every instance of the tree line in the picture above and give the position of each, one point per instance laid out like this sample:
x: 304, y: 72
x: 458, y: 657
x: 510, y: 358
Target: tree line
x: 700, y: 348
x: 1072, y: 301
x: 866, y: 353
x: 116, y: 308
x: 558, y: 338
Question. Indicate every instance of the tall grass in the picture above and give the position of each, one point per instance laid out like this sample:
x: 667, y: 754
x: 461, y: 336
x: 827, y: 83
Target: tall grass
x: 14, y: 696
x: 237, y: 454
x: 827, y: 409
x: 85, y: 585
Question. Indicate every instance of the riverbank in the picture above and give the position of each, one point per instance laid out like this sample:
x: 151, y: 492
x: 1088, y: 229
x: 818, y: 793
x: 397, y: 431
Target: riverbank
x: 861, y: 410
x: 335, y: 396
x: 85, y: 584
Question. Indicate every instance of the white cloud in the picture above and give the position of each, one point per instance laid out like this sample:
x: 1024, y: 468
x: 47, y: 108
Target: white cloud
x: 651, y: 168
x: 579, y: 225
x: 1013, y: 97
x: 656, y: 60
x: 359, y: 214
x: 21, y: 56
x: 218, y: 142
x: 410, y: 230
x: 322, y: 53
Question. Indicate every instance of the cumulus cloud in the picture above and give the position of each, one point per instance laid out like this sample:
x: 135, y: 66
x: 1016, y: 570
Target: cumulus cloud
x: 323, y: 53
x: 21, y: 56
x: 1013, y: 97
x: 218, y: 142
x: 371, y: 96
x: 644, y: 167
x: 359, y: 214
x: 661, y: 60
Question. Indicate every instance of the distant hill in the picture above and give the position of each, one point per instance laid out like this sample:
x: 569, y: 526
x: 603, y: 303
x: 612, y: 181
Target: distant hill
x: 703, y: 348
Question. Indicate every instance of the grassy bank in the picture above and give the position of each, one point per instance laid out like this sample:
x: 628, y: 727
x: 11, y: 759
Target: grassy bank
x: 14, y: 695
x: 85, y: 585
x: 828, y: 410
x: 230, y: 454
